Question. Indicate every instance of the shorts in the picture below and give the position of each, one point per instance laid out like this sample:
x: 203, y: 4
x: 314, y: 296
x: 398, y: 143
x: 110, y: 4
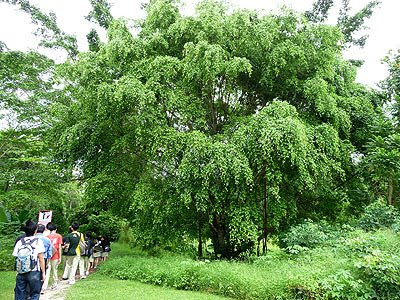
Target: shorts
x: 91, y: 259
x: 97, y: 254
x: 104, y: 254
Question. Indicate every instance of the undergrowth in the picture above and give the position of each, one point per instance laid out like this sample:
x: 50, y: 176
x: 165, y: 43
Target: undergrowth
x: 315, y: 261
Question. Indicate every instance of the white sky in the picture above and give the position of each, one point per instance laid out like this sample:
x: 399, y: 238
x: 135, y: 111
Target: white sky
x: 16, y: 28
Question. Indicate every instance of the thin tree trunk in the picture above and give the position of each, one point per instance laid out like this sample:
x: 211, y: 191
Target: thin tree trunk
x: 200, y: 246
x: 265, y: 212
x: 390, y: 191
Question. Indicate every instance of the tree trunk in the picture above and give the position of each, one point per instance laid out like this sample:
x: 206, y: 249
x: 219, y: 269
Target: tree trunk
x: 219, y: 236
x: 390, y: 191
x: 265, y: 211
x: 200, y: 245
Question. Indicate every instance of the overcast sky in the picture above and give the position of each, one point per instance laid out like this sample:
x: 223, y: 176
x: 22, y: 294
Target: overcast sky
x: 16, y: 28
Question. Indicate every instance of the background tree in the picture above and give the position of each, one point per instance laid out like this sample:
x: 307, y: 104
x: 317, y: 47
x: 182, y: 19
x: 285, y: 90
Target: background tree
x: 29, y: 178
x: 349, y: 25
x: 383, y: 155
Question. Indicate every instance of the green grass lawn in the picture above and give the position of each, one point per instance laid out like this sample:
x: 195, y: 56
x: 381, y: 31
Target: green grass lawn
x: 102, y: 287
x: 7, y: 284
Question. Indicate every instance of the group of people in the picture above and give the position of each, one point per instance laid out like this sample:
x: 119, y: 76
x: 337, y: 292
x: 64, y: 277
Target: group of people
x: 38, y: 254
x: 87, y: 257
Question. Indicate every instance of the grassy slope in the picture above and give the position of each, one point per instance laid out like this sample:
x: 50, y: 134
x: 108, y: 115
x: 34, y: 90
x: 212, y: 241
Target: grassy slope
x: 102, y: 287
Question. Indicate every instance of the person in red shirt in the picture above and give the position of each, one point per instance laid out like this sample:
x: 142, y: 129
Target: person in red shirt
x: 56, y: 241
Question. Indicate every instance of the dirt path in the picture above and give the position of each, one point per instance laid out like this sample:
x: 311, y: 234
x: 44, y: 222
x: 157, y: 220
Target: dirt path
x: 57, y: 294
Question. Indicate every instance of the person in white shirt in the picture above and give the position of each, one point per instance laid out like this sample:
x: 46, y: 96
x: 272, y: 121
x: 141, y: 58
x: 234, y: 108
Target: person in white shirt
x: 29, y: 263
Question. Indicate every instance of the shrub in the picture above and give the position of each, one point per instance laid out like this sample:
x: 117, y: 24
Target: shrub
x: 267, y: 277
x: 341, y: 285
x: 8, y: 233
x: 105, y: 224
x: 10, y: 229
x: 126, y: 234
x: 381, y: 271
x: 344, y: 285
x: 7, y: 261
x: 396, y: 225
x: 303, y: 236
x: 378, y: 215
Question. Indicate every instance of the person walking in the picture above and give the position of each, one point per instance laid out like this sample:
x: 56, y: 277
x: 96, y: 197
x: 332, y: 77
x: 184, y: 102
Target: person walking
x: 29, y: 253
x: 106, y: 247
x: 55, y: 260
x: 96, y: 252
x: 47, y: 247
x: 89, y: 252
x: 73, y: 254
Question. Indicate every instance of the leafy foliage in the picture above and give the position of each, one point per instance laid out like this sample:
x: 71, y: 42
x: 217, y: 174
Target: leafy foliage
x: 100, y: 13
x: 381, y: 271
x: 8, y: 234
x: 307, y: 234
x: 378, y: 215
x: 51, y: 35
x: 210, y: 137
x: 105, y: 224
x: 187, y: 129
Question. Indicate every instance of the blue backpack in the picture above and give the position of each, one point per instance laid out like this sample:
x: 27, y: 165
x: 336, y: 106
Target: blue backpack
x: 25, y: 261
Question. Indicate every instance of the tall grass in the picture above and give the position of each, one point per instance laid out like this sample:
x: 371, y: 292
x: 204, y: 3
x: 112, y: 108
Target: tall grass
x: 273, y: 276
x: 277, y: 275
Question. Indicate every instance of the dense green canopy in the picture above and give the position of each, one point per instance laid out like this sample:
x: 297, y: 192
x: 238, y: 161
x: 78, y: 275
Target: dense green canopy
x: 227, y: 125
x: 224, y: 125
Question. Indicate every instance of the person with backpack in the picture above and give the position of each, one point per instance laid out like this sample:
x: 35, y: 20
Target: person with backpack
x: 96, y: 252
x: 47, y: 247
x: 29, y: 253
x: 55, y: 260
x: 105, y: 245
x: 89, y: 252
x: 73, y: 254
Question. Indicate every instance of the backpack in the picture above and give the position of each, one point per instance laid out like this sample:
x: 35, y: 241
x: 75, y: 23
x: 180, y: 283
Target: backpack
x: 25, y: 261
x: 97, y: 247
x: 82, y: 245
x: 54, y: 245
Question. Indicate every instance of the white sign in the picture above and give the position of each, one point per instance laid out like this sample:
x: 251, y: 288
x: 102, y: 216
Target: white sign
x: 45, y: 217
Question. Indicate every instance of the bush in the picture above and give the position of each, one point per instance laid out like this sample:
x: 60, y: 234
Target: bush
x: 126, y: 234
x: 341, y: 285
x: 105, y: 224
x: 349, y: 264
x: 396, y: 225
x: 304, y: 236
x: 344, y: 285
x: 7, y: 261
x: 10, y: 229
x: 381, y: 271
x: 8, y: 233
x: 378, y: 215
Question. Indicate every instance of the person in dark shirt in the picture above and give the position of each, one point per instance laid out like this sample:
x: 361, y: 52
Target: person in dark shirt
x: 89, y: 252
x: 105, y: 244
x: 73, y: 254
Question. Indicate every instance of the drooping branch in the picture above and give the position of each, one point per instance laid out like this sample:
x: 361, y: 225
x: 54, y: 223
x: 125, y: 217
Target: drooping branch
x: 51, y: 35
